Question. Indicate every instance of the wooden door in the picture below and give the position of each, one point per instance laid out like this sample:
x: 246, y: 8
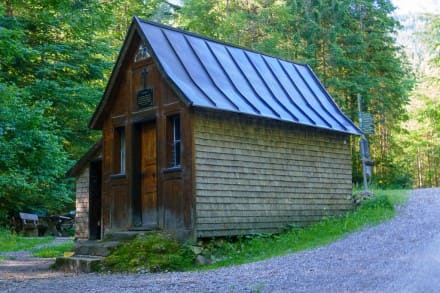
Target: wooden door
x: 148, y: 169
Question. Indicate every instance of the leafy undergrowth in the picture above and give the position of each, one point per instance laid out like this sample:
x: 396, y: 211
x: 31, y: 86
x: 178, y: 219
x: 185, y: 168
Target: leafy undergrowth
x: 156, y: 252
x: 13, y: 242
x: 395, y: 196
x: 151, y: 252
x: 53, y: 250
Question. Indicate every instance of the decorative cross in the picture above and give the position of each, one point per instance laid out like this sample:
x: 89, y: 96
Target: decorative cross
x: 144, y: 76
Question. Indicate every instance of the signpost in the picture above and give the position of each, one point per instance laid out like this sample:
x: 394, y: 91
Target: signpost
x: 367, y: 126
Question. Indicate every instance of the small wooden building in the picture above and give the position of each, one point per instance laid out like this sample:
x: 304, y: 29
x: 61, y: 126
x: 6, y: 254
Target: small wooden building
x: 203, y: 139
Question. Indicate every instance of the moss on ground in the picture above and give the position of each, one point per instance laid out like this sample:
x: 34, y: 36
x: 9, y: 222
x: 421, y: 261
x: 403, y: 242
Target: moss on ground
x: 150, y: 252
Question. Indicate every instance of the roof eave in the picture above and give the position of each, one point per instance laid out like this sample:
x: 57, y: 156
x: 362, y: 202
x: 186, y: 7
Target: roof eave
x: 202, y: 108
x: 75, y: 170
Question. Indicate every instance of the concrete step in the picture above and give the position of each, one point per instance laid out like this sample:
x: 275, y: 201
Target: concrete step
x: 95, y: 248
x: 123, y: 236
x: 78, y: 263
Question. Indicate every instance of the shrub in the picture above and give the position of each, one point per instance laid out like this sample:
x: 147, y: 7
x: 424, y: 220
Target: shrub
x: 378, y: 202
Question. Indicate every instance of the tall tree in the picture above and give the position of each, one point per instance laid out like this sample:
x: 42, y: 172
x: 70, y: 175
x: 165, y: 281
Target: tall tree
x: 422, y: 144
x: 32, y: 158
x: 55, y: 57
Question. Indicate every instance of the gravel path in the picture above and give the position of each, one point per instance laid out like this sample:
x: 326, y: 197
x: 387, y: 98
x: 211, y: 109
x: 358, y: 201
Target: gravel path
x: 401, y: 255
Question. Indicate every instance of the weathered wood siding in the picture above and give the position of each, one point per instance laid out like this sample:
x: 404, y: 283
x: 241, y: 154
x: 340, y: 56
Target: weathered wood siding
x: 258, y: 176
x: 121, y: 192
x: 82, y: 205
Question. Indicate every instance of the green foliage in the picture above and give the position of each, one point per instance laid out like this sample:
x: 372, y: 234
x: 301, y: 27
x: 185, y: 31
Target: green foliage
x: 151, y: 252
x: 55, y: 57
x: 59, y: 56
x: 420, y: 154
x: 53, y: 250
x: 395, y: 196
x: 251, y: 248
x: 13, y: 242
x: 32, y: 159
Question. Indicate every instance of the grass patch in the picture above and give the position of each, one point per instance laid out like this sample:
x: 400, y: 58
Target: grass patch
x: 13, y: 242
x: 252, y: 248
x: 395, y: 196
x: 53, y: 250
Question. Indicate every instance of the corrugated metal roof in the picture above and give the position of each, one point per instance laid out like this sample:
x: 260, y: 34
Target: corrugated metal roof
x: 215, y: 75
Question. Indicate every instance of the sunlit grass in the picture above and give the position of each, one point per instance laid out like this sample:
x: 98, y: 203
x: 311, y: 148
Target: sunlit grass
x: 53, y: 250
x: 13, y: 242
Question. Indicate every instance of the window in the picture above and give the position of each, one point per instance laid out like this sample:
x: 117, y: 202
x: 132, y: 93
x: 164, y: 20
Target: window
x: 119, y: 151
x: 174, y: 138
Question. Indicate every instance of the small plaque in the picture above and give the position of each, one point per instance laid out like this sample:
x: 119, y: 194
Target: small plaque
x: 145, y: 98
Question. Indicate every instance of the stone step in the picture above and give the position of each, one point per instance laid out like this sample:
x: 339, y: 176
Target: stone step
x: 95, y: 248
x: 123, y: 236
x: 78, y: 263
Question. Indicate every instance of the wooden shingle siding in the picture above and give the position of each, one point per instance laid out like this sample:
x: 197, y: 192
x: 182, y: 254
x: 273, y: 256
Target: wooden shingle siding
x: 253, y: 177
x: 82, y: 205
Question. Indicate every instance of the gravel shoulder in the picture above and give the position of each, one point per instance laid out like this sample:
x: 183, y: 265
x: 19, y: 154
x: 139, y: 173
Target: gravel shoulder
x: 401, y: 255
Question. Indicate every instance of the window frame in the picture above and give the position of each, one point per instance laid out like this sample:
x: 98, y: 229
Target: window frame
x: 174, y: 137
x: 120, y: 151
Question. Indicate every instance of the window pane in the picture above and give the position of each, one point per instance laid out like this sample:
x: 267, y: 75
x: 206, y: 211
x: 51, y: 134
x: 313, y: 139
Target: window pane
x: 122, y: 150
x: 177, y: 127
x: 173, y: 136
x: 177, y: 154
x: 119, y: 151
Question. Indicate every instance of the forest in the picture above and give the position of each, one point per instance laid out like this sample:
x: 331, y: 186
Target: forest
x: 57, y: 55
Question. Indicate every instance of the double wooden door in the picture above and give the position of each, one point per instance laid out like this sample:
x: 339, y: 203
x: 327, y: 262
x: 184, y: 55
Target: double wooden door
x: 148, y: 175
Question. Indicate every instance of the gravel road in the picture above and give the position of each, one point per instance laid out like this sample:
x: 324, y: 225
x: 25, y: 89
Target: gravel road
x: 401, y: 255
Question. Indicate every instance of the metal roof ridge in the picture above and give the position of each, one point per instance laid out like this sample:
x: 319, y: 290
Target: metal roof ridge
x: 211, y: 39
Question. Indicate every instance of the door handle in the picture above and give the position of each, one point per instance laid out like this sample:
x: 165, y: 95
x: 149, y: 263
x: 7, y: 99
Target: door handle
x: 154, y: 174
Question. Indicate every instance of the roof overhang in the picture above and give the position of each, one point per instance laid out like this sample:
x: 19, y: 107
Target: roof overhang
x: 91, y: 155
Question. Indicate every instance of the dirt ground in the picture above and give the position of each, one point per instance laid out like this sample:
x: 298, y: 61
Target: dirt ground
x: 21, y: 265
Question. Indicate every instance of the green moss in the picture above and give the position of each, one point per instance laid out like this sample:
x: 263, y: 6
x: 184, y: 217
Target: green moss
x: 151, y: 252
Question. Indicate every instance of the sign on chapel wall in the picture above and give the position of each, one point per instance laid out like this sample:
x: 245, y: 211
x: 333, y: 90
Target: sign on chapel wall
x: 144, y: 97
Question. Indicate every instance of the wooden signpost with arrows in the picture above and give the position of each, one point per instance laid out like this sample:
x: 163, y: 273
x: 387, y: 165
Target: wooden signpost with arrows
x: 366, y: 124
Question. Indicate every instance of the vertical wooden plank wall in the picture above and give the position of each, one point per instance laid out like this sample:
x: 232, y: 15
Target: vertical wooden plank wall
x: 258, y: 175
